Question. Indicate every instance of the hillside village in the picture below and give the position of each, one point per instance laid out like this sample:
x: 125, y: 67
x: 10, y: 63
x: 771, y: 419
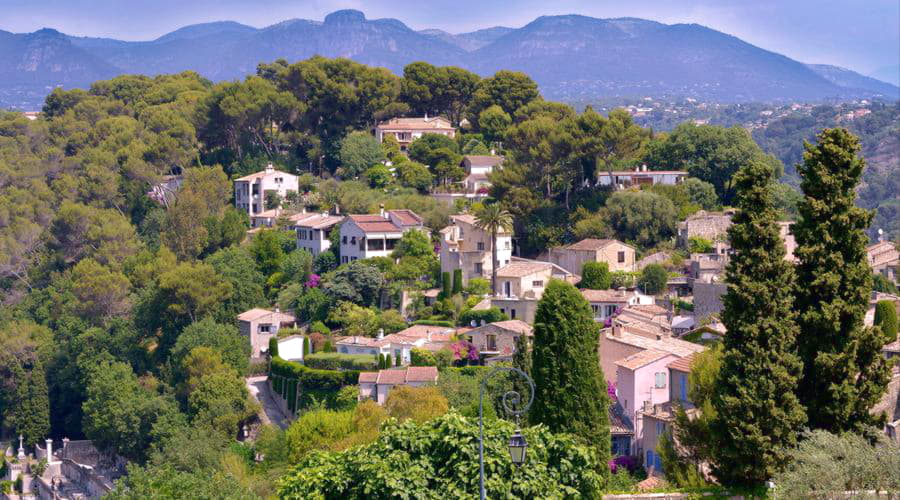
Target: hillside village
x: 280, y: 296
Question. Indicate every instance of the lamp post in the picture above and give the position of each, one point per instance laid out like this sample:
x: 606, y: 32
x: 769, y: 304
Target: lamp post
x: 517, y: 444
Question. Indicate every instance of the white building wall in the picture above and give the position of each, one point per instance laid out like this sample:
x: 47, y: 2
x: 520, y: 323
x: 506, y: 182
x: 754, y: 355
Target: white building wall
x: 291, y: 349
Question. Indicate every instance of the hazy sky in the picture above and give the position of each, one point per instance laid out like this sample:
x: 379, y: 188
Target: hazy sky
x: 863, y: 35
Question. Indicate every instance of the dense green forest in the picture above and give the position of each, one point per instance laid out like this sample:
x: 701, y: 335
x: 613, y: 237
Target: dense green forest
x: 118, y: 314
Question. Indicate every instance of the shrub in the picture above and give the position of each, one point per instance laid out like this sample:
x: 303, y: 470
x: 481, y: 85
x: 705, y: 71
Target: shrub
x: 319, y: 327
x: 446, y: 286
x: 596, y: 276
x: 653, y: 279
x: 422, y: 357
x: 417, y: 403
x: 443, y: 358
x: 491, y: 315
x: 623, y: 279
x: 457, y: 281
x: 339, y: 361
x: 259, y: 368
x: 346, y: 398
x: 886, y: 318
x: 273, y: 347
x: 478, y: 286
x: 697, y: 244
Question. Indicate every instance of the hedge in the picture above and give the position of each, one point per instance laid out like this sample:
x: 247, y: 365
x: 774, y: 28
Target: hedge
x: 430, y: 322
x: 490, y: 315
x: 338, y: 361
x: 314, y: 384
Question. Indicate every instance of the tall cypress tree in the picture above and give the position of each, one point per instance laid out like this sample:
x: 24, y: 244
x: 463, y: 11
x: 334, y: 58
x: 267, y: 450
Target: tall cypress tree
x: 844, y: 373
x: 31, y: 411
x: 757, y: 414
x: 570, y: 395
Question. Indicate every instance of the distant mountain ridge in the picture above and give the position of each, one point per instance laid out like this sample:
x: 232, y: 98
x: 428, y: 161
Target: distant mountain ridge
x: 571, y: 57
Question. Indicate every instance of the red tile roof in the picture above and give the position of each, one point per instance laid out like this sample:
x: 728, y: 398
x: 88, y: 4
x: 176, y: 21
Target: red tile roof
x: 392, y: 377
x: 483, y: 160
x: 641, y: 359
x: 682, y: 364
x: 407, y: 217
x: 368, y: 377
x: 613, y: 296
x: 590, y: 244
x: 421, y: 374
x: 420, y: 123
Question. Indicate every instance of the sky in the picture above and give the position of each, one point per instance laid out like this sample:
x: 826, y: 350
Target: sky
x: 863, y: 35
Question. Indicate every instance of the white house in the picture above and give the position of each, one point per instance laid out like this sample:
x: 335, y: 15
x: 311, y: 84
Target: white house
x: 641, y: 176
x: 467, y: 247
x: 398, y: 345
x: 367, y: 236
x: 377, y: 385
x: 259, y: 325
x: 477, y: 168
x: 521, y: 283
x: 250, y: 191
x: 314, y: 230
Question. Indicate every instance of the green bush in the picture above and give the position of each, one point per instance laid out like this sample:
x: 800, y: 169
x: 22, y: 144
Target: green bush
x: 653, y: 279
x: 273, y: 346
x: 697, y: 244
x: 491, y: 315
x: 886, y: 318
x: 457, y: 281
x: 339, y: 361
x: 259, y: 368
x: 312, y: 378
x: 623, y: 279
x: 319, y: 327
x: 596, y: 276
x: 421, y: 357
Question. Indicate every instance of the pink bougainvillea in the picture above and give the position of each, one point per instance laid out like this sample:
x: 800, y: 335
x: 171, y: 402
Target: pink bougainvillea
x: 611, y: 390
x: 313, y: 281
x: 464, y: 350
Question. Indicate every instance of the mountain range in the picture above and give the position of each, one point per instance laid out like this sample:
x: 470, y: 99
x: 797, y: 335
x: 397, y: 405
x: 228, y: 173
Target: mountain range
x: 571, y: 57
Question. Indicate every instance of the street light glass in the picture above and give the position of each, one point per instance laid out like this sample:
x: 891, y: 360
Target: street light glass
x: 517, y: 448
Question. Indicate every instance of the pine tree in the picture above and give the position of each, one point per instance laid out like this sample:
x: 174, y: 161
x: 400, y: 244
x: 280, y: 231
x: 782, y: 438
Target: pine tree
x: 570, y: 393
x: 757, y: 414
x: 31, y: 410
x: 844, y: 373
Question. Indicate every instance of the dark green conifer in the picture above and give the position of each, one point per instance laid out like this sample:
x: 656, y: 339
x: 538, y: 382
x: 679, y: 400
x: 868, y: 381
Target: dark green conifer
x: 570, y: 390
x: 844, y: 372
x: 757, y: 414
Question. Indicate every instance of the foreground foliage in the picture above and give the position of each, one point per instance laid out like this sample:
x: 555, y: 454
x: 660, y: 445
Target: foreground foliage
x: 439, y: 459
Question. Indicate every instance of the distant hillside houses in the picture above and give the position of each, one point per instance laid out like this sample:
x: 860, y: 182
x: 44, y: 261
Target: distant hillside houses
x: 463, y: 245
x: 406, y: 130
x: 367, y: 236
x: 250, y: 191
x: 641, y: 176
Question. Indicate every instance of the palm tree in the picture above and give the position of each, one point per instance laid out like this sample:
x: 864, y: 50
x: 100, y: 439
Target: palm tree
x: 493, y: 219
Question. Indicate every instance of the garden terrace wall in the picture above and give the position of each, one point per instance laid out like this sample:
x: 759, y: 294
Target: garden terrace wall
x: 298, y: 385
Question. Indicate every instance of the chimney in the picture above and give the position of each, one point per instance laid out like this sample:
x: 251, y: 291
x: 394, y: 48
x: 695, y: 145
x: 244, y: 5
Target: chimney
x: 483, y: 322
x: 269, y: 168
x: 617, y: 330
x: 303, y: 210
x: 380, y: 334
x: 381, y: 210
x: 49, y: 450
x: 659, y: 336
x: 277, y: 309
x: 644, y: 167
x: 647, y: 406
x: 337, y: 209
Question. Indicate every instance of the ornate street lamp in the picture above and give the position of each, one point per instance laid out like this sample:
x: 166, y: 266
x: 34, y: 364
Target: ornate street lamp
x: 517, y: 443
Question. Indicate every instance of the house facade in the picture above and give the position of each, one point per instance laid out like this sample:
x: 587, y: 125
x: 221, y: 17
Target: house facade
x: 377, y: 385
x: 314, y: 231
x: 712, y: 226
x: 477, y: 168
x: 641, y: 176
x: 642, y: 378
x: 467, y: 247
x: 398, y: 345
x: 499, y: 338
x: 606, y: 303
x: 520, y: 285
x: 259, y: 325
x: 659, y: 417
x: 407, y: 130
x: 367, y: 236
x: 250, y: 191
x: 617, y: 255
x: 884, y: 259
x: 291, y: 348
x: 623, y: 340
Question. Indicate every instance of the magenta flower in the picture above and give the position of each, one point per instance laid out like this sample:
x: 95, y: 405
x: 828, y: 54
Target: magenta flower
x: 313, y: 281
x: 611, y: 390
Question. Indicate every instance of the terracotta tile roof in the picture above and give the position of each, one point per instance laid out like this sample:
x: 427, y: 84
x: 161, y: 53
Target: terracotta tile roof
x: 518, y: 269
x: 613, y: 296
x: 422, y: 331
x: 263, y: 173
x: 682, y: 364
x: 360, y: 341
x: 258, y: 314
x: 383, y: 226
x: 368, y: 377
x: 513, y: 325
x: 367, y: 218
x: 476, y: 177
x: 483, y: 160
x: 590, y: 244
x: 421, y: 374
x: 678, y: 347
x: 406, y: 217
x: 421, y: 123
x: 392, y: 377
x: 642, y: 358
x: 651, y: 309
x: 316, y: 221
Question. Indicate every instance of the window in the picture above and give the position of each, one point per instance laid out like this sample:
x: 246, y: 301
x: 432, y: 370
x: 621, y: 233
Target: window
x: 478, y: 268
x: 507, y: 288
x: 491, y: 342
x: 375, y: 244
x: 389, y: 243
x: 480, y: 245
x: 596, y: 309
x: 344, y: 240
x: 660, y: 428
x: 621, y: 257
x: 278, y: 180
x: 264, y: 328
x: 537, y: 284
x: 353, y: 240
x: 344, y: 350
x: 344, y: 259
x: 660, y: 380
x: 506, y: 246
x: 512, y: 314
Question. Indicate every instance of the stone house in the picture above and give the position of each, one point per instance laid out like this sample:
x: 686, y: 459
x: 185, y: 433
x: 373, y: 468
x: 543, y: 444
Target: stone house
x: 465, y: 246
x: 623, y: 340
x: 712, y: 226
x: 250, y: 191
x: 617, y: 255
x: 606, y: 303
x: 259, y: 325
x: 367, y: 236
x: 520, y: 285
x: 499, y: 338
x: 884, y: 259
x: 377, y: 385
x: 407, y: 130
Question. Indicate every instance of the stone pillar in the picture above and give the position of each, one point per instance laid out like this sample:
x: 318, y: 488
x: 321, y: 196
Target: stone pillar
x: 49, y: 450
